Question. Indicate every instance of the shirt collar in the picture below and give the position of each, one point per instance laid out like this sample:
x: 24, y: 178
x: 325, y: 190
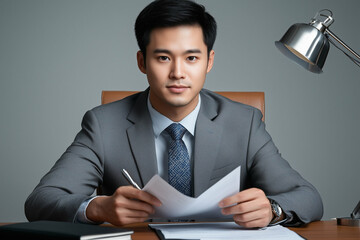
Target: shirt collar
x: 160, y: 122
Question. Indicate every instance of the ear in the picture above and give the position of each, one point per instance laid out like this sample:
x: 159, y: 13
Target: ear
x: 141, y: 62
x: 210, y: 61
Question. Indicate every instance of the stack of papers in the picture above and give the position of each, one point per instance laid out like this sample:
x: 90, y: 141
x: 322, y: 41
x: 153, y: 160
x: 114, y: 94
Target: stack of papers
x: 222, y: 230
x: 176, y: 205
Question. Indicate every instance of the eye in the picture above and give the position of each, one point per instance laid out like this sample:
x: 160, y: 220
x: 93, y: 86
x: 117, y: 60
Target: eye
x: 192, y: 58
x: 164, y: 58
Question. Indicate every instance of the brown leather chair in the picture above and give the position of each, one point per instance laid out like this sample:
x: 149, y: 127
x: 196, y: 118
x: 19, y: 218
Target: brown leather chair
x: 255, y: 99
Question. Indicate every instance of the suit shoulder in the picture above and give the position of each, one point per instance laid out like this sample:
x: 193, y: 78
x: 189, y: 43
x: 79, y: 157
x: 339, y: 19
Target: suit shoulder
x: 118, y: 111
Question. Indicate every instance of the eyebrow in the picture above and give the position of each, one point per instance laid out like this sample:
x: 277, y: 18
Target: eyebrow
x: 159, y: 50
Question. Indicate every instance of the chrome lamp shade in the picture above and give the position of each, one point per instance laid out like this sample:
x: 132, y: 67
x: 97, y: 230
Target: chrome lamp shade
x: 308, y: 44
x: 305, y: 45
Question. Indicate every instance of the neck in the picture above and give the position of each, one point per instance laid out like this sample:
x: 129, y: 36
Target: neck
x: 178, y: 114
x: 175, y: 113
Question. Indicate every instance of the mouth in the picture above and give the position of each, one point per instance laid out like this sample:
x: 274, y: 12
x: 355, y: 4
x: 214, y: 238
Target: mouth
x: 177, y: 88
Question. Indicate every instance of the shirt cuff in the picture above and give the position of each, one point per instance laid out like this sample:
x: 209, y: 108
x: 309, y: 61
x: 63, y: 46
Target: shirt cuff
x: 80, y: 216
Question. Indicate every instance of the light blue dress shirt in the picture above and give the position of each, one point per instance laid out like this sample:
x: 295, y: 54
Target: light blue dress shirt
x: 160, y: 123
x: 162, y: 138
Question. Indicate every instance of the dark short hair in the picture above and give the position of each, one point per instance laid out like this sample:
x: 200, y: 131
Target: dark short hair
x: 171, y: 13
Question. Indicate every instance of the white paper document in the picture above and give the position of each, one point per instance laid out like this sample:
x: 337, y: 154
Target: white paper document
x: 176, y: 205
x: 223, y: 230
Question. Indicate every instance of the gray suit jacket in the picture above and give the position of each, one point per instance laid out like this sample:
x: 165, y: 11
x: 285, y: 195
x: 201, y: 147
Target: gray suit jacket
x: 120, y: 135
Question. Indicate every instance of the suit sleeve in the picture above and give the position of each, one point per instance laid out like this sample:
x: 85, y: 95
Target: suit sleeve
x: 270, y: 172
x: 72, y: 179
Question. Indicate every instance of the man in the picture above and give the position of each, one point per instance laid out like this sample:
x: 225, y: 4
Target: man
x: 175, y: 40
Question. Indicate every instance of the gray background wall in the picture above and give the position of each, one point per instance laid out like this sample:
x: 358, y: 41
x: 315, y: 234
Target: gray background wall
x: 57, y: 56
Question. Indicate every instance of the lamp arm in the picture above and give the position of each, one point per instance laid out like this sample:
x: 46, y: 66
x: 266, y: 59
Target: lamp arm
x: 342, y: 43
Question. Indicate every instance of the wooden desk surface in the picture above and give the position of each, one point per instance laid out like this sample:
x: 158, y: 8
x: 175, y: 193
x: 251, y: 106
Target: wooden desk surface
x: 321, y: 230
x: 328, y: 230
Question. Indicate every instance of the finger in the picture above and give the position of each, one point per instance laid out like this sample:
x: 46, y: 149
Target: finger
x: 250, y: 206
x: 257, y: 223
x: 127, y: 216
x: 130, y: 213
x: 129, y: 220
x: 135, y: 205
x: 243, y: 196
x: 131, y: 192
x: 252, y: 216
x: 240, y: 208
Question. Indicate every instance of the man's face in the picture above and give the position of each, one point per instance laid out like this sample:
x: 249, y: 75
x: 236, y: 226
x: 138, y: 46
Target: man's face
x: 176, y: 66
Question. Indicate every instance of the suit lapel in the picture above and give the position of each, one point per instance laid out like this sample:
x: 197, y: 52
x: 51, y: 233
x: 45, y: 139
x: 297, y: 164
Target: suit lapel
x: 141, y: 139
x: 207, y: 141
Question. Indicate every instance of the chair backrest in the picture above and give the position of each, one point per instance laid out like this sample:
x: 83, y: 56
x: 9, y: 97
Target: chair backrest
x: 255, y: 99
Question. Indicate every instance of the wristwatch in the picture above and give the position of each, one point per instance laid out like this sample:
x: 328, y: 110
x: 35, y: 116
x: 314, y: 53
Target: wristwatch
x: 276, y: 210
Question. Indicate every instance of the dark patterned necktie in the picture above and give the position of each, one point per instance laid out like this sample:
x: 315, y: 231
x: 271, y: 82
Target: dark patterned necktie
x: 179, y: 161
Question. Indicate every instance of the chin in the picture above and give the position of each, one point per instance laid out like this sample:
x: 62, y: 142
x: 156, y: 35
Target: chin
x: 179, y: 102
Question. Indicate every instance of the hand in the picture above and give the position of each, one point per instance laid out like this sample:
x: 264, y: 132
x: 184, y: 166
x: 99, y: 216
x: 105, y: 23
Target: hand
x: 127, y: 205
x: 251, y: 208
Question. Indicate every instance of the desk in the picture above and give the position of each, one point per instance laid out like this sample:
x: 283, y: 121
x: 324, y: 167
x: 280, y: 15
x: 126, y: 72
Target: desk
x: 321, y: 230
x: 328, y: 230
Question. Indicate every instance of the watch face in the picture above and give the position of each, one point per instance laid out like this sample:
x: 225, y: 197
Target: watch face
x: 276, y: 209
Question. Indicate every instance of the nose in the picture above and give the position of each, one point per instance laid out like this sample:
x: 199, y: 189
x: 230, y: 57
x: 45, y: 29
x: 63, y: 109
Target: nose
x: 177, y: 70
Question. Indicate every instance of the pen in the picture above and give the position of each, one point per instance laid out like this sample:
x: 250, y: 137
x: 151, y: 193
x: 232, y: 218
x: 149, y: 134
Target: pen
x: 129, y: 179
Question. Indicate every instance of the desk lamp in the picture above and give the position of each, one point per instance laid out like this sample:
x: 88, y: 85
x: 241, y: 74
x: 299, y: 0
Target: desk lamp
x: 308, y: 45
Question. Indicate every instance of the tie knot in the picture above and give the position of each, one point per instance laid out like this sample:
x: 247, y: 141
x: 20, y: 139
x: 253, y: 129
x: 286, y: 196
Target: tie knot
x: 176, y: 131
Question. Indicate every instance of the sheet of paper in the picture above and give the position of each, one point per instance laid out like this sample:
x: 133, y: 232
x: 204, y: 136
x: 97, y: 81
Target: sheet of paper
x: 223, y: 230
x: 176, y: 205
